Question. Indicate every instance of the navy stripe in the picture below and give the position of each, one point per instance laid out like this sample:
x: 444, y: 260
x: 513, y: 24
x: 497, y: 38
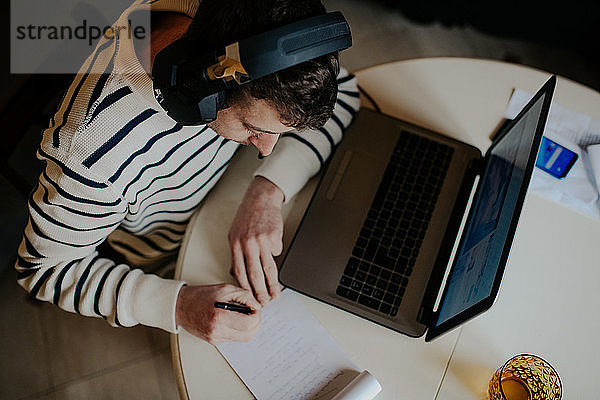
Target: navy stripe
x: 346, y: 107
x: 163, y: 221
x: 117, y: 137
x: 327, y: 135
x: 110, y: 100
x: 147, y: 147
x: 56, y: 222
x: 60, y: 103
x: 26, y: 264
x: 164, y: 228
x: 180, y: 200
x: 180, y: 223
x: 59, y: 280
x: 308, y: 144
x: 41, y: 234
x: 98, y: 89
x: 345, y: 79
x: 26, y: 273
x: 148, y: 242
x: 167, y: 238
x: 80, y: 284
x: 145, y: 240
x: 117, y: 290
x: 100, y: 84
x: 69, y: 196
x: 47, y: 201
x: 201, y: 170
x: 169, y: 229
x: 31, y: 249
x: 36, y: 289
x: 55, y: 133
x: 174, y: 230
x: 99, y: 291
x: 350, y: 93
x: 166, y: 157
x: 129, y: 248
x: 339, y: 123
x: 72, y: 174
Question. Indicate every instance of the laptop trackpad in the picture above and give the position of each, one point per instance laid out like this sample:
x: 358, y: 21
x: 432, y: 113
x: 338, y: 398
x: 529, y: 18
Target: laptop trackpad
x: 356, y: 179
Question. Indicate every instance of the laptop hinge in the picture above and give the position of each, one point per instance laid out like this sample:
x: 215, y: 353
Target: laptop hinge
x: 426, y: 313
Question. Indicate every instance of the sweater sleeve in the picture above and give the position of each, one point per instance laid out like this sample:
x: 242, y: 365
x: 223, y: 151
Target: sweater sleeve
x: 300, y: 155
x: 69, y: 216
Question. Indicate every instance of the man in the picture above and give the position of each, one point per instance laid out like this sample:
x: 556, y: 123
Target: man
x: 121, y: 178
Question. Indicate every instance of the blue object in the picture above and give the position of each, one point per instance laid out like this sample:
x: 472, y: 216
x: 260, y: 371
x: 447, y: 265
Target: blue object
x: 555, y: 159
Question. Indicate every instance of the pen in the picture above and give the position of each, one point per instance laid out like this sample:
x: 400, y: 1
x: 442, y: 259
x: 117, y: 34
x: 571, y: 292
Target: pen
x: 234, y: 307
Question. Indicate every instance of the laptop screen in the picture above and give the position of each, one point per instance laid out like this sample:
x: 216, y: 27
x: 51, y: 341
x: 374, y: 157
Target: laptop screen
x: 474, y: 279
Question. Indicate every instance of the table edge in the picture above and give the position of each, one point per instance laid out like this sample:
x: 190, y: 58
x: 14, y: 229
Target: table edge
x: 475, y: 60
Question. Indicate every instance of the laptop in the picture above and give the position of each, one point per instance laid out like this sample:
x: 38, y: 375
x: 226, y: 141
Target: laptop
x: 411, y: 229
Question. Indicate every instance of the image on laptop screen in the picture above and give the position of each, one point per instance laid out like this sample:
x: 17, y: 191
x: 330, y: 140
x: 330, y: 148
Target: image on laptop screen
x: 478, y: 261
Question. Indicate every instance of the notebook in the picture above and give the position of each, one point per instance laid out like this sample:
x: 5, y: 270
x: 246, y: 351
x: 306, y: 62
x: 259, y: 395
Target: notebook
x: 411, y: 229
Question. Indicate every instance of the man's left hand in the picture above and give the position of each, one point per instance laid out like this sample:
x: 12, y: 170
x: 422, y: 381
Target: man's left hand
x: 256, y: 237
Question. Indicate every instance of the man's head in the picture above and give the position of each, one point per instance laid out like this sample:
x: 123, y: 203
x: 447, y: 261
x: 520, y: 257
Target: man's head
x: 300, y: 97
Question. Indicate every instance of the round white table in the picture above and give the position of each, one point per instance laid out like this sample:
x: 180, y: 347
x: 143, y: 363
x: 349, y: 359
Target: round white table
x: 547, y: 302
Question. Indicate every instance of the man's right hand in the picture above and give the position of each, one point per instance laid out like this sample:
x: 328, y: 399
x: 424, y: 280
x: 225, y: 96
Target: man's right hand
x: 196, y: 313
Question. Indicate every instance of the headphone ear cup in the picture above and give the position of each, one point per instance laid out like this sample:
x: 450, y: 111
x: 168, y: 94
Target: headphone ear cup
x: 210, y: 105
x: 187, y: 97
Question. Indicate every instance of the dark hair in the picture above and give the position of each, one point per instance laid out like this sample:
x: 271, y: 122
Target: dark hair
x: 304, y: 95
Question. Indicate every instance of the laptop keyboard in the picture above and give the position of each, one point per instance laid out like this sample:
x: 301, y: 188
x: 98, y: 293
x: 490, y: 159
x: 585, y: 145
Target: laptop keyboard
x: 385, y: 252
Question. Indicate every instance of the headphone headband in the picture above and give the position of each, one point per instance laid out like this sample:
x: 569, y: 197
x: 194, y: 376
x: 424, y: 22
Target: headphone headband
x: 240, y: 62
x: 293, y: 44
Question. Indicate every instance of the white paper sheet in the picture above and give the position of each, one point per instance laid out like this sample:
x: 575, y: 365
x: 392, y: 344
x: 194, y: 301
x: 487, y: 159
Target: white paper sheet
x: 364, y: 386
x: 580, y: 133
x: 293, y: 357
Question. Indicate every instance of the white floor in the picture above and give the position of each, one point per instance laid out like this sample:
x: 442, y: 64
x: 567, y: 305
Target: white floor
x: 46, y: 353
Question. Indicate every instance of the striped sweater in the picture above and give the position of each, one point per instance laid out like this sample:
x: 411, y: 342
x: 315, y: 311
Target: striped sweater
x: 118, y: 169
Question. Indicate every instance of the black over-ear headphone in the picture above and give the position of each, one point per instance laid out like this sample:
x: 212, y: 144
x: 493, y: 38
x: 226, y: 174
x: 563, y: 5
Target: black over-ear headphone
x: 240, y: 62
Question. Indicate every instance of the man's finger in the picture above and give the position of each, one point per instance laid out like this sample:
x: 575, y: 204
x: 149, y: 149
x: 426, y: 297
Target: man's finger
x: 255, y: 274
x: 239, y: 267
x: 278, y: 246
x: 271, y: 275
x: 237, y: 295
x: 239, y: 321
